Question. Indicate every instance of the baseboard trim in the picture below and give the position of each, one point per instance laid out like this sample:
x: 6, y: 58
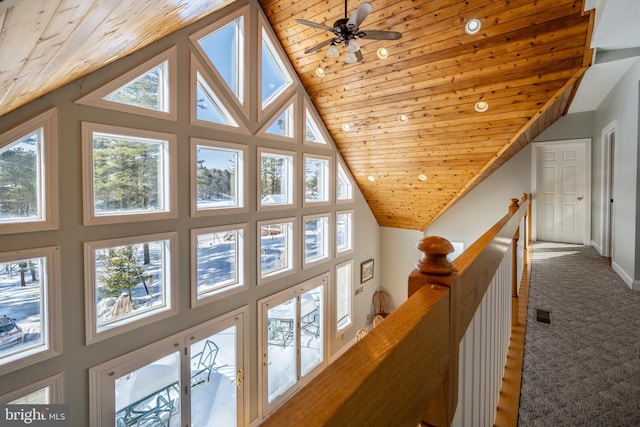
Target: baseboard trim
x: 625, y: 277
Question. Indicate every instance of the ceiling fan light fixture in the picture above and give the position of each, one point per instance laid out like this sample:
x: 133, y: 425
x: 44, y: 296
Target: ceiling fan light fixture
x: 481, y: 106
x: 320, y: 71
x: 353, y: 46
x: 333, y: 51
x: 350, y: 58
x: 382, y: 53
x: 472, y: 26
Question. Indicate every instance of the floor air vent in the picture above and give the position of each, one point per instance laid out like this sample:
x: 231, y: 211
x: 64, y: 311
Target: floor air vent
x: 543, y: 316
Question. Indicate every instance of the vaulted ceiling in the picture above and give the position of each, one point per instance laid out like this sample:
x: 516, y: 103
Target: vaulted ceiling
x: 526, y: 63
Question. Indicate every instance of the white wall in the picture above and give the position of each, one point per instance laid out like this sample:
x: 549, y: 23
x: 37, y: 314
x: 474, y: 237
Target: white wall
x: 398, y: 255
x: 622, y: 104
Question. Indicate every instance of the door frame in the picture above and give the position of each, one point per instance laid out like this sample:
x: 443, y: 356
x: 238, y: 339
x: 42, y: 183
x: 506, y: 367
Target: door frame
x: 535, y: 158
x: 606, y: 190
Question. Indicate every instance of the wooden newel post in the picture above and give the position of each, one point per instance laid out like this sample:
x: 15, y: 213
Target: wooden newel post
x: 434, y: 269
x: 513, y: 208
x: 433, y: 262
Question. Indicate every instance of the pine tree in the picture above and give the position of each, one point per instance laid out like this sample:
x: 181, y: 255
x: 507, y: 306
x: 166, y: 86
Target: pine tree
x: 122, y: 271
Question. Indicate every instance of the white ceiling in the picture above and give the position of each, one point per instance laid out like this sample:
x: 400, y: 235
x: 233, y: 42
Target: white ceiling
x: 616, y: 28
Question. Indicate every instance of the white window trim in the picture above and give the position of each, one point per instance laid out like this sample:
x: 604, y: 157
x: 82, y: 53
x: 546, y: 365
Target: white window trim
x: 239, y: 286
x: 54, y: 383
x: 328, y: 180
x: 291, y: 178
x: 276, y: 299
x: 347, y: 174
x: 170, y: 171
x: 328, y: 241
x: 293, y: 105
x: 51, y: 310
x: 48, y: 174
x: 242, y: 176
x: 339, y: 331
x: 171, y: 307
x: 350, y: 231
x: 292, y: 258
x: 102, y: 377
x: 170, y: 57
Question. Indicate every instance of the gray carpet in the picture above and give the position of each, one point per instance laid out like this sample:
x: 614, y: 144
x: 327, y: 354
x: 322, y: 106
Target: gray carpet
x: 582, y: 369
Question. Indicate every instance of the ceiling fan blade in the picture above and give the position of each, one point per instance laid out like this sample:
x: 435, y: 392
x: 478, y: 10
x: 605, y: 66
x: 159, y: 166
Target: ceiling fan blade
x: 319, y: 46
x: 313, y: 24
x: 358, y: 16
x: 380, y: 35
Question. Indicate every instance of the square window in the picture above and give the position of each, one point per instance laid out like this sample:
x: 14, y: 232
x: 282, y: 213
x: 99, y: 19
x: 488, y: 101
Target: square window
x: 29, y: 176
x: 275, y: 248
x: 344, y: 288
x: 218, y: 262
x: 316, y: 179
x: 43, y: 392
x: 344, y: 231
x: 129, y: 282
x: 128, y: 175
x: 316, y: 238
x: 276, y: 181
x: 217, y: 177
x: 345, y: 186
x: 29, y: 319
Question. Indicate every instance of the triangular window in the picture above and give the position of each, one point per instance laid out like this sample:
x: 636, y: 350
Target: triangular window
x: 312, y: 130
x: 275, y: 77
x: 209, y: 108
x: 283, y: 124
x: 224, y: 48
x: 149, y: 89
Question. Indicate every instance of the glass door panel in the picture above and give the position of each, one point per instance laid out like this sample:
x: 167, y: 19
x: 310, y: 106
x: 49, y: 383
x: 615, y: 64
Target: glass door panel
x: 150, y: 396
x: 281, y: 349
x: 311, y: 330
x: 213, y: 376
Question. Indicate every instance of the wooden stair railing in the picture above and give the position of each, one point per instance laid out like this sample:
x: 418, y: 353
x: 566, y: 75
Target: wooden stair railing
x: 405, y: 371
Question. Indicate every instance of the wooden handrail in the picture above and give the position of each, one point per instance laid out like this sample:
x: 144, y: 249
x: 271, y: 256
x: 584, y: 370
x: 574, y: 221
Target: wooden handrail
x: 405, y: 370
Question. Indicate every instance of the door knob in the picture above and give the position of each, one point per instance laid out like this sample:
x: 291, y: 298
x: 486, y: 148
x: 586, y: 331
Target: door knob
x: 580, y: 198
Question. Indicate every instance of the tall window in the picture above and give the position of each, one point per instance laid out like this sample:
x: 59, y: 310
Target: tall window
x: 345, y: 186
x: 275, y: 248
x: 29, y: 311
x: 344, y: 290
x: 28, y: 176
x: 316, y: 179
x: 218, y: 176
x: 275, y: 76
x: 276, y: 181
x: 129, y: 174
x: 218, y: 261
x: 128, y: 282
x: 344, y: 231
x: 316, y: 238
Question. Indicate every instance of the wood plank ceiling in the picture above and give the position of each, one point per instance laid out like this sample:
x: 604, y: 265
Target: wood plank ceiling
x: 526, y: 63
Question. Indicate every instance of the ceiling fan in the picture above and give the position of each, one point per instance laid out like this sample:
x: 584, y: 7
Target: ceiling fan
x: 346, y: 31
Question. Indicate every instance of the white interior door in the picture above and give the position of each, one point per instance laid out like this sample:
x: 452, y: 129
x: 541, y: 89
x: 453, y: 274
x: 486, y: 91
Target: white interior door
x: 562, y: 192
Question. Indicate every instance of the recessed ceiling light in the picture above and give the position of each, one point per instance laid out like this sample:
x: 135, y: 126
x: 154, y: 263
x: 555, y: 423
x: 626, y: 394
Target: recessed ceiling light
x: 481, y: 106
x: 382, y: 53
x: 422, y: 177
x: 320, y: 72
x: 346, y: 127
x: 402, y: 118
x: 371, y: 178
x: 472, y: 26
